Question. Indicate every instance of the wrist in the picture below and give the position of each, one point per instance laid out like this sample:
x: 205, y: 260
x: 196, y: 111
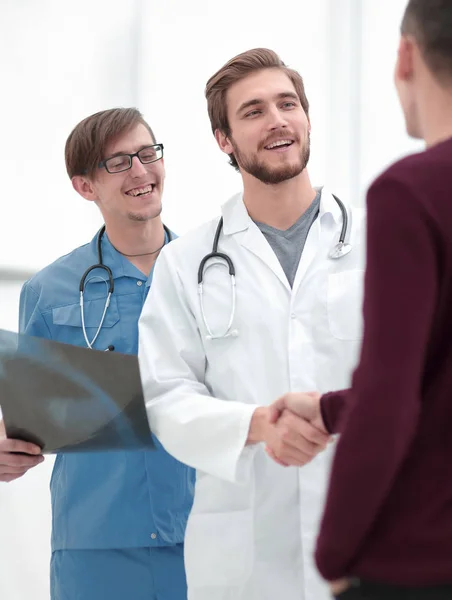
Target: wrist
x: 258, y: 426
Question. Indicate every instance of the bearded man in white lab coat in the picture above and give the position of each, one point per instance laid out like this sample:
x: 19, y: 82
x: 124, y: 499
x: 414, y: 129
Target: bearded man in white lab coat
x: 210, y: 381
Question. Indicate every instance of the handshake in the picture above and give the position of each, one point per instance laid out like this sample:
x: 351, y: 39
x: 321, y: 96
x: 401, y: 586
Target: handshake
x: 291, y: 428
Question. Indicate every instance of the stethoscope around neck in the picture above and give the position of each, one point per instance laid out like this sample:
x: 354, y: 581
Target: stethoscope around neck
x: 110, y: 287
x: 340, y: 249
x: 202, y: 269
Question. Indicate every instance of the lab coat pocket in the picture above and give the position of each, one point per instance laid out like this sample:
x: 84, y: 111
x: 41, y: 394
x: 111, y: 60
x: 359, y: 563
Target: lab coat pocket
x: 344, y: 304
x: 219, y: 548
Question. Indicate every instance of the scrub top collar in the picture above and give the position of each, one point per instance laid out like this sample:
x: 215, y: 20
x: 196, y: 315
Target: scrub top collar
x: 119, y: 264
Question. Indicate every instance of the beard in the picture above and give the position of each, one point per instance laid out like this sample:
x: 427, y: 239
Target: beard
x: 272, y: 175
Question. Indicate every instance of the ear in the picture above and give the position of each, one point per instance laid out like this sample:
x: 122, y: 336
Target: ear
x: 223, y: 142
x: 404, y: 64
x: 84, y: 187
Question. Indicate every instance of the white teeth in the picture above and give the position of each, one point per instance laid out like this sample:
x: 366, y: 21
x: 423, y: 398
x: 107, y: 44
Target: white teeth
x: 278, y: 143
x: 140, y: 191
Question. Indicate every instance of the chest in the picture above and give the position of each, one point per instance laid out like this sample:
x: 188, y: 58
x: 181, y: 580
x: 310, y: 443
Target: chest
x: 325, y: 299
x: 113, y: 324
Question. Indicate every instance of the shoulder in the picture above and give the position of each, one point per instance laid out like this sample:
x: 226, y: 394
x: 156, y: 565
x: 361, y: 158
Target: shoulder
x: 408, y: 199
x: 58, y: 283
x: 402, y: 171
x: 419, y: 178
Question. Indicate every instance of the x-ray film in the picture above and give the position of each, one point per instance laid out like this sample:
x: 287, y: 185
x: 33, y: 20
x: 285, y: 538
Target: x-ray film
x: 69, y: 399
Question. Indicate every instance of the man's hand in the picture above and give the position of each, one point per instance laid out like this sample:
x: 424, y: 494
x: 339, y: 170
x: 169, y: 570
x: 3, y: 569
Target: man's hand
x: 302, y: 404
x: 289, y: 439
x: 12, y: 464
x: 339, y: 586
x: 306, y: 405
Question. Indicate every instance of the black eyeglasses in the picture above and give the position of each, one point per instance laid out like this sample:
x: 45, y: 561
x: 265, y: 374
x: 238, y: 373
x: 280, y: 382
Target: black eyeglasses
x: 123, y: 162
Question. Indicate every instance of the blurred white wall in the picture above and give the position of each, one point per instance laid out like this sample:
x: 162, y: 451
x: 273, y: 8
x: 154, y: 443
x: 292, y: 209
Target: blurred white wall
x: 382, y: 131
x: 9, y: 311
x: 62, y: 61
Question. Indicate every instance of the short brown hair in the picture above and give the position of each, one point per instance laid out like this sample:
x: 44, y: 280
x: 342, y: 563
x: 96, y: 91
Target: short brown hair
x: 85, y: 146
x: 236, y: 69
x: 430, y: 23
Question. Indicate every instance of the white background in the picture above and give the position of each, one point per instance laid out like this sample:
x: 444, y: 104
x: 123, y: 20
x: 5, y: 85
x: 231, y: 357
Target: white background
x: 62, y: 61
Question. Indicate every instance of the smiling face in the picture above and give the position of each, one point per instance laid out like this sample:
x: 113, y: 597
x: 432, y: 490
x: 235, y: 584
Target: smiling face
x: 132, y: 195
x: 269, y: 130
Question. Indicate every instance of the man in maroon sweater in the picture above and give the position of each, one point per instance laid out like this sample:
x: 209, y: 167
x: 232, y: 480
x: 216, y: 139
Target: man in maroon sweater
x: 387, y: 527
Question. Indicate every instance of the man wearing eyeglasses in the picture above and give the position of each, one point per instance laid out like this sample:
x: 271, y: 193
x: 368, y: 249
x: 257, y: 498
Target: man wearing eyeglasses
x: 118, y: 518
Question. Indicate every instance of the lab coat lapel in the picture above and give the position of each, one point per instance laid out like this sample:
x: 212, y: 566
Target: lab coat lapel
x: 322, y: 234
x: 238, y: 223
x: 254, y: 241
x: 309, y: 253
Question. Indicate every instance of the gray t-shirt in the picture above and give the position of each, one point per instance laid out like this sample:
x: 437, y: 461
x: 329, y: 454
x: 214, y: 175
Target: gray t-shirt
x: 288, y: 245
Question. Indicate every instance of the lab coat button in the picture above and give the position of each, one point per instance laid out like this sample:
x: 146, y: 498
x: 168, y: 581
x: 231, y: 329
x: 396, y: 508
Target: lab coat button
x: 153, y: 536
x: 293, y: 316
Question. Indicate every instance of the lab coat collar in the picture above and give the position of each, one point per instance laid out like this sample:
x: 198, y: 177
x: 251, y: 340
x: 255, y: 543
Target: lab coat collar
x: 329, y: 206
x: 236, y: 217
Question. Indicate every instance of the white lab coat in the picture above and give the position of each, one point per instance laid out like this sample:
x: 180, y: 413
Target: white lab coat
x: 252, y: 530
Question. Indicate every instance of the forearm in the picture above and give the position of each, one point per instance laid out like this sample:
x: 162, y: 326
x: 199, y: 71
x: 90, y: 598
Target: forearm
x: 371, y: 449
x: 258, y: 425
x: 204, y: 432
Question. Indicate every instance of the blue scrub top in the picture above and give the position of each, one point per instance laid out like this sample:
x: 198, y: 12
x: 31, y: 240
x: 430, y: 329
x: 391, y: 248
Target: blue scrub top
x: 118, y: 499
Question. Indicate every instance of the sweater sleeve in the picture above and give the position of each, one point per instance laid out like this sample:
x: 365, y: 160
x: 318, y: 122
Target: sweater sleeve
x: 332, y: 408
x: 383, y: 405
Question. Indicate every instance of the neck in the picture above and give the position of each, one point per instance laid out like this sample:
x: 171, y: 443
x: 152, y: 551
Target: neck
x: 437, y: 116
x: 280, y: 205
x: 138, y: 241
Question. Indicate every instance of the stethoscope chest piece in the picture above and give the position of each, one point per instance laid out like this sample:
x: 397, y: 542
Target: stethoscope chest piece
x: 341, y: 249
